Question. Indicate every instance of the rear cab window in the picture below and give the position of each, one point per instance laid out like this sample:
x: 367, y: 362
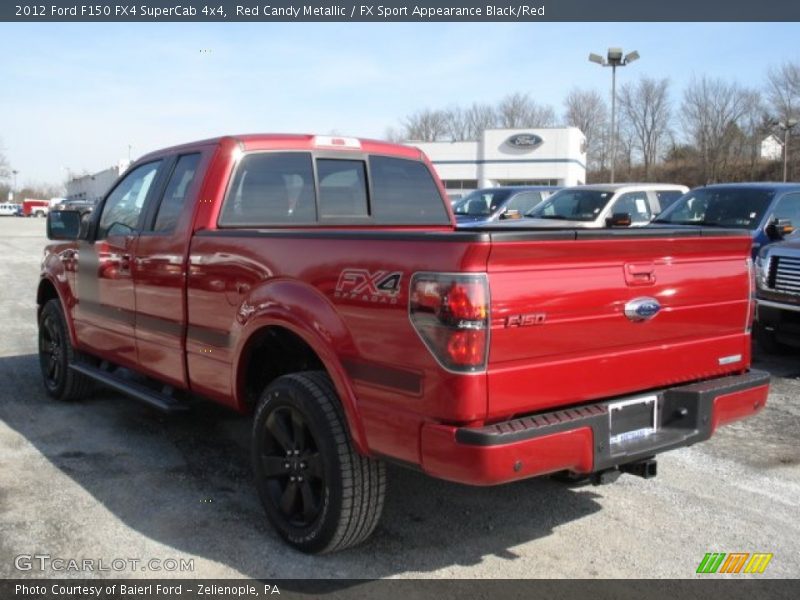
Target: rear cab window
x: 342, y: 188
x: 299, y: 188
x: 271, y: 188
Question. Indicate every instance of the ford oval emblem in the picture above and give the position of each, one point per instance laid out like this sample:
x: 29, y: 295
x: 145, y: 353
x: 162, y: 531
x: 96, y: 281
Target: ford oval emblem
x: 524, y: 140
x: 642, y: 309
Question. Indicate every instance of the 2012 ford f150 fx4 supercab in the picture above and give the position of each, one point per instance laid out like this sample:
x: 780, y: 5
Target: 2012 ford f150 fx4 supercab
x: 320, y: 284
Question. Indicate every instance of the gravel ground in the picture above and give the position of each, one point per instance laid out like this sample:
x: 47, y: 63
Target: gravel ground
x: 108, y: 478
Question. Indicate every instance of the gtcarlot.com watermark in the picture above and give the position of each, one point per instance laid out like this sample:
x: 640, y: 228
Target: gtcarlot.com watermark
x: 60, y: 564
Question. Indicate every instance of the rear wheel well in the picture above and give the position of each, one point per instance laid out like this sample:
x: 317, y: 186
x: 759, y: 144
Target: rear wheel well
x: 270, y: 353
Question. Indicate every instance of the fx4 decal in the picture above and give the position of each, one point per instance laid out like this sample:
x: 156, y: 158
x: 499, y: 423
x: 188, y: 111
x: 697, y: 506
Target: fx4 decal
x: 360, y: 284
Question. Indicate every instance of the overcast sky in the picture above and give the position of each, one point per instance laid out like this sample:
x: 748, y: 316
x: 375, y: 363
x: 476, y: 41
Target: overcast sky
x: 74, y: 96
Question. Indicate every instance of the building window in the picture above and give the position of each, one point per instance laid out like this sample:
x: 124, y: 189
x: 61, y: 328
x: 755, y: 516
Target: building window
x: 460, y: 184
x: 529, y: 182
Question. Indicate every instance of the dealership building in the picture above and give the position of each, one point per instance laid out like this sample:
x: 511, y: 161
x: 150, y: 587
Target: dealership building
x: 93, y: 187
x: 553, y: 156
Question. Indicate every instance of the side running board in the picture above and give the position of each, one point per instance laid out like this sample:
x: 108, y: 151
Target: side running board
x: 137, y: 391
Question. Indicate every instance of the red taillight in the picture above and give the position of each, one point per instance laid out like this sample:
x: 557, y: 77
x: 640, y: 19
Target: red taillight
x: 451, y: 315
x: 467, y: 347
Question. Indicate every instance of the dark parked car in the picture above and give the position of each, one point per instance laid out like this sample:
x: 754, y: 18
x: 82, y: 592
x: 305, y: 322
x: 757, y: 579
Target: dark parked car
x: 767, y: 210
x: 492, y: 204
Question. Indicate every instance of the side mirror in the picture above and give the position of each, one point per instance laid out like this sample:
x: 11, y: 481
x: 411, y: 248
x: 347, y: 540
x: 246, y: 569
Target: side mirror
x: 510, y: 214
x: 778, y: 229
x: 619, y: 220
x: 63, y: 225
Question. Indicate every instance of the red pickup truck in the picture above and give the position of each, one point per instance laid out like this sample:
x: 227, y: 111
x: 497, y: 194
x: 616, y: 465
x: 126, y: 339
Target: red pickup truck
x: 35, y: 208
x: 320, y: 284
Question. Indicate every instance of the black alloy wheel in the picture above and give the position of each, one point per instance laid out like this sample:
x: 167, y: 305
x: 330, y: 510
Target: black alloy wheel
x: 319, y: 493
x: 292, y: 465
x: 56, y: 354
x: 52, y: 354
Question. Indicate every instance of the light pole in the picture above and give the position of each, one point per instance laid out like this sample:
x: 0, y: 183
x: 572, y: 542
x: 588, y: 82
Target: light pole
x: 614, y: 59
x: 786, y: 126
x: 14, y: 190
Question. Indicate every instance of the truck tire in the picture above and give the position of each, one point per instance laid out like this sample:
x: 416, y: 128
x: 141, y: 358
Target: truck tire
x: 318, y: 492
x: 56, y: 353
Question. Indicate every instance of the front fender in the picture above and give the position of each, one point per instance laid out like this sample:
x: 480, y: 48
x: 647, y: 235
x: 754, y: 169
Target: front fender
x: 54, y: 275
x: 307, y: 313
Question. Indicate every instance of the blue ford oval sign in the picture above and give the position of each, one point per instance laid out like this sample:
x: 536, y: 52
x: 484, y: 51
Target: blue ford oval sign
x: 524, y: 140
x: 642, y: 309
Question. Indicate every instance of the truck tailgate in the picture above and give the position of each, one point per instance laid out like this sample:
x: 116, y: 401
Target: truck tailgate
x: 559, y: 330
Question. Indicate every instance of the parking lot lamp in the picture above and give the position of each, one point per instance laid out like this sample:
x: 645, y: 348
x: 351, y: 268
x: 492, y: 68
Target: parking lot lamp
x: 614, y: 58
x: 786, y: 126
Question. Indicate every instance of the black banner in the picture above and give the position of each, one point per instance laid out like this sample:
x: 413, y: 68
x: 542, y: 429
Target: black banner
x: 398, y: 10
x: 227, y: 589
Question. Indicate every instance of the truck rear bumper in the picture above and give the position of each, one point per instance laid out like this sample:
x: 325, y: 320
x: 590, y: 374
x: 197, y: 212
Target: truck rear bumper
x: 591, y: 437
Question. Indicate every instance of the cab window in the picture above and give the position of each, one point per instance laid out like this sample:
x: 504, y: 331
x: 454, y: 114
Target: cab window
x: 405, y: 193
x: 342, y: 188
x: 177, y: 189
x: 636, y: 205
x: 524, y: 202
x: 123, y: 207
x: 271, y: 188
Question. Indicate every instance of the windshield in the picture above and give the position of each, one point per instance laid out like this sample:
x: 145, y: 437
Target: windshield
x: 573, y: 205
x: 739, y: 208
x: 481, y: 203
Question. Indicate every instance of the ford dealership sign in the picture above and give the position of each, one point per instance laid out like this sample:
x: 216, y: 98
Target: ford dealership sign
x: 524, y: 140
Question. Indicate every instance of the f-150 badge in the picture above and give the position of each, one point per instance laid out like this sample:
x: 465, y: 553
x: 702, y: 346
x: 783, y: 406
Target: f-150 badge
x: 360, y: 284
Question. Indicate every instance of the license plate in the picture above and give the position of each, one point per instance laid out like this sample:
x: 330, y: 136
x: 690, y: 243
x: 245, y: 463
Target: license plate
x: 632, y: 419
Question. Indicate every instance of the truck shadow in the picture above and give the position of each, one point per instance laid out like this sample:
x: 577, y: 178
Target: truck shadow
x: 185, y: 482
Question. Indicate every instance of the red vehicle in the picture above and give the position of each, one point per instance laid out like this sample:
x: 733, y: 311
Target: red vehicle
x: 35, y: 208
x: 319, y: 284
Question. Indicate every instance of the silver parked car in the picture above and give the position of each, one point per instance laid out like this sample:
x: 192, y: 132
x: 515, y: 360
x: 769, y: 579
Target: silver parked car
x: 603, y: 205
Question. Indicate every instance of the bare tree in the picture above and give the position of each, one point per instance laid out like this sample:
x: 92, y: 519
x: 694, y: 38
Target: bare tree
x: 755, y: 125
x: 426, y: 125
x: 5, y: 170
x: 645, y: 107
x: 586, y: 110
x: 627, y: 147
x: 458, y: 129
x: 390, y: 134
x: 783, y: 90
x: 519, y: 110
x: 479, y: 117
x: 711, y: 111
